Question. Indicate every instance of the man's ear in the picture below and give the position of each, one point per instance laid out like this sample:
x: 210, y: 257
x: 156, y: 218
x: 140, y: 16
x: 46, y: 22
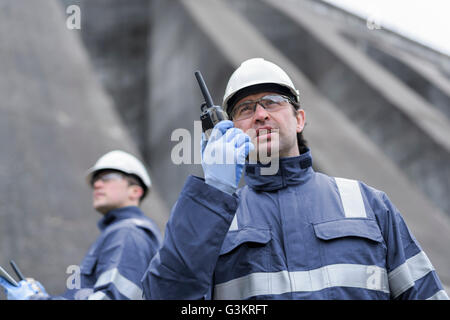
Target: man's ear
x: 136, y: 192
x: 301, y: 120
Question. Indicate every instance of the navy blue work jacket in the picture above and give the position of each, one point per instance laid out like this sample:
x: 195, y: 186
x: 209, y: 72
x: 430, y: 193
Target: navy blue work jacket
x: 115, y: 263
x: 298, y: 234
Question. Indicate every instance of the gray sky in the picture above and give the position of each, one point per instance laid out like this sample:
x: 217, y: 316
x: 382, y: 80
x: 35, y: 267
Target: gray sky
x: 425, y: 21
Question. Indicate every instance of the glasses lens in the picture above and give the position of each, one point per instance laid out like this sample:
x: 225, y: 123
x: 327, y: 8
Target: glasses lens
x: 270, y: 102
x: 132, y: 181
x: 105, y: 177
x: 247, y: 108
x: 243, y: 110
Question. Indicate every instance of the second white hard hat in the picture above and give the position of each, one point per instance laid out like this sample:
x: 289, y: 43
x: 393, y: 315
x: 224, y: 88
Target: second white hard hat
x: 121, y: 161
x: 257, y: 71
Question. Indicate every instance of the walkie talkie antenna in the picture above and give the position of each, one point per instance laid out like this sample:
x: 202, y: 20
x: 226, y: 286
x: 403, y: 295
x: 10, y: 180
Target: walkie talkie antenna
x: 211, y: 114
x: 208, y: 100
x: 17, y: 270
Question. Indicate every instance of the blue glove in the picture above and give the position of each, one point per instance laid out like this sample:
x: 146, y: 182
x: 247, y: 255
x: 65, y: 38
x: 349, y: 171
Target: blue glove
x: 223, y: 156
x: 24, y: 291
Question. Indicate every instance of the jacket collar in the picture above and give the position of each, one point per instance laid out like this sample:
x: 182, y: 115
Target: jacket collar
x: 292, y: 171
x: 118, y: 214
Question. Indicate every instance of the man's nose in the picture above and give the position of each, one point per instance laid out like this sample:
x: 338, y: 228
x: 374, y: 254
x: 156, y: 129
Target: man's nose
x: 261, y: 114
x: 97, y: 183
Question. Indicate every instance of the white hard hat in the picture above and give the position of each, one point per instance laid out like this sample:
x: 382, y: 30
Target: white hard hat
x: 257, y: 71
x: 121, y: 161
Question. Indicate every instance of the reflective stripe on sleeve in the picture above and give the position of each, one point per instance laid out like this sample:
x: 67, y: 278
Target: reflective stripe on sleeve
x: 125, y: 286
x: 351, y: 198
x: 440, y: 295
x: 99, y: 295
x: 404, y: 276
x: 337, y: 275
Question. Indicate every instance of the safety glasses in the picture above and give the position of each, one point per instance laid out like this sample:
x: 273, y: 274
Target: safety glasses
x: 271, y: 103
x: 106, y: 176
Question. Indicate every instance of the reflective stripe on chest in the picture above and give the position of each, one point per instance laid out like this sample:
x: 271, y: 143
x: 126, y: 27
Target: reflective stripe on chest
x: 351, y: 198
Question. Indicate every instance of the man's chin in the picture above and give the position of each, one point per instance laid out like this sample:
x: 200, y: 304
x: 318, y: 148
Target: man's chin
x: 102, y: 208
x: 264, y: 152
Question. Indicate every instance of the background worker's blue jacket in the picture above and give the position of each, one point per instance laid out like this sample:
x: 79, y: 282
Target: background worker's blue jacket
x: 296, y: 235
x: 115, y: 263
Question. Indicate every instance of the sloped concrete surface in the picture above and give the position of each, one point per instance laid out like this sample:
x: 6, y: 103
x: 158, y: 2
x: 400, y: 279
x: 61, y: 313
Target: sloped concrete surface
x: 55, y: 121
x: 114, y: 33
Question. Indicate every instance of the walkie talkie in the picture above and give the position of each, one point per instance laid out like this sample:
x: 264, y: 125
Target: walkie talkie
x: 211, y: 114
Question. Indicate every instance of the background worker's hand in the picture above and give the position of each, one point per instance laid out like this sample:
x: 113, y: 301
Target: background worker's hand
x: 24, y: 291
x: 223, y: 156
x: 37, y: 287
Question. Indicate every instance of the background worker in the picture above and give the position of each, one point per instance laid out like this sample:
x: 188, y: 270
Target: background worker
x: 116, y: 262
x: 295, y: 234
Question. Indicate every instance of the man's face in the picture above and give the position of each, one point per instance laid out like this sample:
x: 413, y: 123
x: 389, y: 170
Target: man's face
x: 272, y: 131
x: 111, y: 190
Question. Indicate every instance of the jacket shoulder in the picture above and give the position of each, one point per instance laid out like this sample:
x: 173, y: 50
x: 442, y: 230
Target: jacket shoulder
x: 133, y: 227
x: 375, y: 198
